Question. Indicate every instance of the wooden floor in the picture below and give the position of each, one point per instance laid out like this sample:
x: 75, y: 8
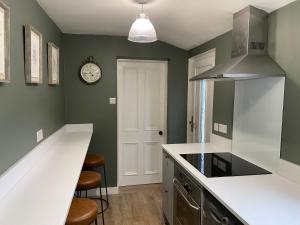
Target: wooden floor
x: 137, y: 205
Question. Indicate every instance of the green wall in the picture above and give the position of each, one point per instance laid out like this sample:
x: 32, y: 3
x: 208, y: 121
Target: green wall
x: 284, y: 47
x: 27, y: 108
x: 90, y: 104
x: 224, y: 90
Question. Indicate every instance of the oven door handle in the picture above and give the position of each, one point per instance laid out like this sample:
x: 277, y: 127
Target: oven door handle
x: 215, y: 218
x: 179, y: 188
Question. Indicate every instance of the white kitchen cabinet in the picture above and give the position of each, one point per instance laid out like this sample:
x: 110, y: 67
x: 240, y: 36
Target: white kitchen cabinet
x: 168, y: 174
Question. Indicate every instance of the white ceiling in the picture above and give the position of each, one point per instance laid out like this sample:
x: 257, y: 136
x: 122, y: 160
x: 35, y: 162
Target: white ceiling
x: 183, y: 23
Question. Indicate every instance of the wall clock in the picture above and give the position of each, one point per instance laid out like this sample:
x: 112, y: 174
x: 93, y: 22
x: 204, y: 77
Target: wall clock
x: 90, y: 71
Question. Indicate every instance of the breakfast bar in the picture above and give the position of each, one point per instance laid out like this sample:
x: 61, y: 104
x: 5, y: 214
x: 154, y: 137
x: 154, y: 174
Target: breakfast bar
x: 42, y: 193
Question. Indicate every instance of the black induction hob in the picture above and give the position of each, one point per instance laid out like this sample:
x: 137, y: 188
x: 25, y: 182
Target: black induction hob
x: 223, y: 165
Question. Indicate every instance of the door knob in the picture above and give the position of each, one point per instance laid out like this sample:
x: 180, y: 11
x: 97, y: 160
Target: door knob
x: 160, y: 133
x: 191, y: 122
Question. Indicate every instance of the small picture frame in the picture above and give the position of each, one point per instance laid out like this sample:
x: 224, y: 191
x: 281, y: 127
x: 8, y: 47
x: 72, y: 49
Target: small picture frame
x: 4, y: 43
x: 33, y: 55
x: 53, y: 64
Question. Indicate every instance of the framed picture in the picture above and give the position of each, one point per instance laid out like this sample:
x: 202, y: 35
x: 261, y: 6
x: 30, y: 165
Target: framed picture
x: 53, y: 64
x: 4, y: 43
x: 33, y: 55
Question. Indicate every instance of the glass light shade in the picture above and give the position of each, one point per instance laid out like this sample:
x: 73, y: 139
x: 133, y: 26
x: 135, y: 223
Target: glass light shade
x: 142, y: 30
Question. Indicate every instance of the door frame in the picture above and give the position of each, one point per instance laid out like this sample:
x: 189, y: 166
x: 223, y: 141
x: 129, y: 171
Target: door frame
x: 166, y: 64
x: 190, y: 101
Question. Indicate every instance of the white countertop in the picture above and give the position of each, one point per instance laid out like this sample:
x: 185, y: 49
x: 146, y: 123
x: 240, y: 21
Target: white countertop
x: 254, y: 200
x: 43, y: 195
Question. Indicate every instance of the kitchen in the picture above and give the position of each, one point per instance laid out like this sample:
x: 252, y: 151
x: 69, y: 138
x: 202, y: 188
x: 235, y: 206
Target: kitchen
x: 43, y: 148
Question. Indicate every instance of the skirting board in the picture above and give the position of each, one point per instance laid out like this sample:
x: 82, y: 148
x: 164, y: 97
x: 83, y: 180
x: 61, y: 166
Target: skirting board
x: 96, y: 192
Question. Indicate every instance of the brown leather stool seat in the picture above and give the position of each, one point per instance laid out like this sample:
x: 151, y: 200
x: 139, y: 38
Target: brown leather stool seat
x: 82, y: 212
x: 88, y: 180
x: 93, y: 161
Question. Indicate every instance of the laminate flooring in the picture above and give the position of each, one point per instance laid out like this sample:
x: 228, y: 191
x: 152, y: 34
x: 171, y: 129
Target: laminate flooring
x: 135, y: 205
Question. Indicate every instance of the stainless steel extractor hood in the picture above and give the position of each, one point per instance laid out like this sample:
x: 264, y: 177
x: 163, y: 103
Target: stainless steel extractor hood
x: 249, y: 54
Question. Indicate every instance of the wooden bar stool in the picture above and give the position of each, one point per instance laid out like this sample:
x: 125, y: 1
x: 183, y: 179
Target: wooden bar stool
x: 90, y: 180
x: 93, y: 161
x: 82, y: 212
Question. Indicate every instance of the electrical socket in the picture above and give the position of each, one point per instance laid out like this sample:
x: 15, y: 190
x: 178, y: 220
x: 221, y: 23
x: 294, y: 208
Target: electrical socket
x: 223, y: 128
x: 39, y: 135
x: 216, y: 127
x: 112, y: 101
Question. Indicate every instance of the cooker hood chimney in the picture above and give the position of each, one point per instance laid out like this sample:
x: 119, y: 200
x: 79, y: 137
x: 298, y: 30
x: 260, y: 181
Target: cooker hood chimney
x: 249, y: 54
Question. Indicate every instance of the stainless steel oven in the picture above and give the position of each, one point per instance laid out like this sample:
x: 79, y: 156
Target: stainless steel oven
x: 187, y: 199
x: 214, y: 213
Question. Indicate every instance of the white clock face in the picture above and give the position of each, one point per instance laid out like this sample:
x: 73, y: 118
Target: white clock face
x: 90, y: 73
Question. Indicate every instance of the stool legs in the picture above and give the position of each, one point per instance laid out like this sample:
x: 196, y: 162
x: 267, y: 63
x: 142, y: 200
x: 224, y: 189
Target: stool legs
x: 79, y: 195
x: 104, y: 171
x: 101, y: 202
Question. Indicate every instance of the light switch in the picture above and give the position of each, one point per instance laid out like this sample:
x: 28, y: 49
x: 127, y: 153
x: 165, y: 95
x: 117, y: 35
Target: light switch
x: 216, y: 127
x: 112, y: 101
x: 39, y: 135
x: 223, y: 128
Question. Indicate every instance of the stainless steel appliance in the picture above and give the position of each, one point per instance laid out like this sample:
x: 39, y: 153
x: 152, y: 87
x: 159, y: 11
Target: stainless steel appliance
x: 250, y: 59
x: 187, y: 199
x: 223, y: 165
x: 193, y: 205
x: 214, y: 213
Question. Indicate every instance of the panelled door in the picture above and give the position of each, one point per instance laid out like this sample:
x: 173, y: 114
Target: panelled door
x: 142, y: 101
x: 200, y: 99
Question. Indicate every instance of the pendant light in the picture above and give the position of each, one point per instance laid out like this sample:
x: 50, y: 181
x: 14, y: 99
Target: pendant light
x: 142, y: 30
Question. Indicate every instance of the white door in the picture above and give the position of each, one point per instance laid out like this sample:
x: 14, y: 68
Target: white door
x: 142, y: 120
x: 200, y: 99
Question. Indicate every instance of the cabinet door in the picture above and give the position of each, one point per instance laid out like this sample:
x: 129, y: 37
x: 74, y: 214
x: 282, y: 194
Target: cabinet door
x: 168, y: 174
x: 165, y: 184
x: 165, y: 169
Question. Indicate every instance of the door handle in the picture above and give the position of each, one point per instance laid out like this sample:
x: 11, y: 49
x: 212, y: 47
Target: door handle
x: 215, y: 218
x: 191, y: 203
x: 213, y: 213
x: 160, y: 133
x: 191, y: 122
